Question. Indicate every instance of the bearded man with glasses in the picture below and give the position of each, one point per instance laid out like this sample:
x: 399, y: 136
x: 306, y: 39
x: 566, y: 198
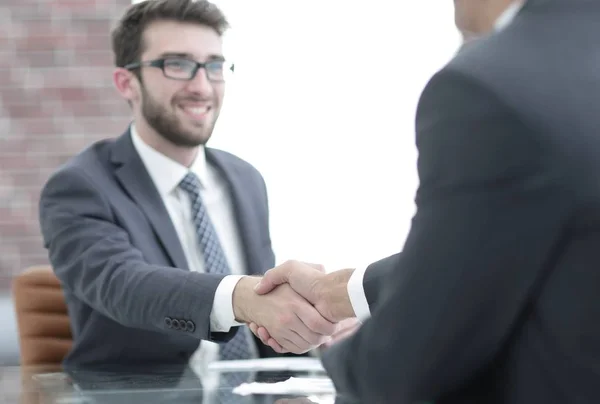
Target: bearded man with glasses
x: 156, y: 237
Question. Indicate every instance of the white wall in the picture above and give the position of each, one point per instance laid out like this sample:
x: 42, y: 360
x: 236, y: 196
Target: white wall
x: 323, y: 104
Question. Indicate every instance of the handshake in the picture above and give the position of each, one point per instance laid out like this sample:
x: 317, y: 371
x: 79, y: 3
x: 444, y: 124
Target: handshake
x: 296, y: 307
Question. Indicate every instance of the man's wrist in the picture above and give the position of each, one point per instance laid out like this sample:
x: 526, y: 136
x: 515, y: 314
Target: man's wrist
x: 358, y: 298
x: 334, y: 292
x: 242, y: 295
x: 221, y: 314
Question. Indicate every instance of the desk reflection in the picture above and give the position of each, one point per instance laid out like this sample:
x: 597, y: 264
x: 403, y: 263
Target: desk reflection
x: 162, y: 384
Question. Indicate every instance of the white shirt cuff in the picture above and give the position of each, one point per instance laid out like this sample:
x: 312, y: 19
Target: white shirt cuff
x: 222, y: 317
x: 356, y: 293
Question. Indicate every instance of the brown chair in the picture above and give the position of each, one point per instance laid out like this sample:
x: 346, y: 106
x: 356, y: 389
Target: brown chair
x: 42, y: 318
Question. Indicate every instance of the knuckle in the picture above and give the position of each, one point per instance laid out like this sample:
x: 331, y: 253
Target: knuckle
x: 313, y: 339
x: 322, y: 326
x: 313, y: 324
x: 291, y: 263
x: 285, y: 320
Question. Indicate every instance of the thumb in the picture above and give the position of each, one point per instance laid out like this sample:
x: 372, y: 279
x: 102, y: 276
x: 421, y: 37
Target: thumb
x: 272, y: 278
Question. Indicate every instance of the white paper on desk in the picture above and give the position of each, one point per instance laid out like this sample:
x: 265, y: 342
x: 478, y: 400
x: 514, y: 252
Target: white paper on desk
x: 293, y: 385
x: 302, y: 364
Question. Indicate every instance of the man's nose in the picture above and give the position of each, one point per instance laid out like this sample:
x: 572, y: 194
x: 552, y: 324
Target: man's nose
x: 200, y: 83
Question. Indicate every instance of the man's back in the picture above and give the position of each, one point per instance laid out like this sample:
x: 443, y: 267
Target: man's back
x: 495, y: 297
x: 546, y: 67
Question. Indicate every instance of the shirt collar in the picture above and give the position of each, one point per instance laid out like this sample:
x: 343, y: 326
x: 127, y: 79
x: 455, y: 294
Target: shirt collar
x: 508, y: 15
x: 165, y: 172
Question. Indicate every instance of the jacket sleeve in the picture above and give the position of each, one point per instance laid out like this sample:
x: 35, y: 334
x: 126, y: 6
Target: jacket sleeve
x: 492, y: 208
x: 95, y: 261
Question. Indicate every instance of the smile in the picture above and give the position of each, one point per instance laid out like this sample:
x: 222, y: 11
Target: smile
x: 197, y: 112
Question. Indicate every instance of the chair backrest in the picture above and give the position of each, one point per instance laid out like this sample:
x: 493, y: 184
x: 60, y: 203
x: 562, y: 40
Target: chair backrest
x: 42, y: 318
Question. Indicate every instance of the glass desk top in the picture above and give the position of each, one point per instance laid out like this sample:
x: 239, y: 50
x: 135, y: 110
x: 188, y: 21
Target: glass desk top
x: 150, y: 384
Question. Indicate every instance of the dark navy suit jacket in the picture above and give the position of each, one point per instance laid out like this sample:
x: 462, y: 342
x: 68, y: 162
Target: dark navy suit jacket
x: 495, y: 297
x: 112, y: 245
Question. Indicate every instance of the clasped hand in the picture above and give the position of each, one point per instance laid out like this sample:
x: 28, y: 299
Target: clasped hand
x: 312, y: 320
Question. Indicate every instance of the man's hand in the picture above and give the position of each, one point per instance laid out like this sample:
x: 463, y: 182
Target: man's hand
x: 327, y: 292
x: 291, y: 320
x: 345, y: 328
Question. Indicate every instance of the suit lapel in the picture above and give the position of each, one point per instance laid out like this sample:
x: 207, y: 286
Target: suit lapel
x: 135, y: 180
x: 243, y: 209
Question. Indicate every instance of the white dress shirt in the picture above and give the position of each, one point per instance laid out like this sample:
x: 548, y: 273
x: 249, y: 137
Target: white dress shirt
x: 166, y: 175
x: 356, y: 290
x: 508, y: 15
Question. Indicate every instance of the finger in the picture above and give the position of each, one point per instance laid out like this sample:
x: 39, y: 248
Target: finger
x: 264, y: 334
x: 300, y: 344
x: 305, y: 337
x: 276, y: 347
x: 303, y: 280
x: 285, y: 335
x: 311, y: 340
x: 295, y: 331
x: 271, y: 279
x: 315, y: 322
x: 254, y: 328
x: 265, y: 337
x: 291, y: 344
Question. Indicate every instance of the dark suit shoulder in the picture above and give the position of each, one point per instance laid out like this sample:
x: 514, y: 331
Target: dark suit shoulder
x: 245, y: 170
x: 234, y: 161
x: 82, y: 177
x: 91, y: 161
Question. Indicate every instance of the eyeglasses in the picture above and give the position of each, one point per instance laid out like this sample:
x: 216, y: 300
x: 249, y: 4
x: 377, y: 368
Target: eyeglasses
x: 186, y: 69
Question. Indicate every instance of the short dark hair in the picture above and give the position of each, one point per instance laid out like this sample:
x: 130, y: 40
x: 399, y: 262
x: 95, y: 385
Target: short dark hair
x: 127, y: 36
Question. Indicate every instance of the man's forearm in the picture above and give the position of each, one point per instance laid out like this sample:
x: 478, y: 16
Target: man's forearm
x: 222, y: 317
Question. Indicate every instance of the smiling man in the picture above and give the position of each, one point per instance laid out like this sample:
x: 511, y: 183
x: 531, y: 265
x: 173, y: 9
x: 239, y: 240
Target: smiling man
x: 152, y: 234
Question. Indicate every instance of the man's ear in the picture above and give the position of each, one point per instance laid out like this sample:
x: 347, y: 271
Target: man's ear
x: 127, y: 84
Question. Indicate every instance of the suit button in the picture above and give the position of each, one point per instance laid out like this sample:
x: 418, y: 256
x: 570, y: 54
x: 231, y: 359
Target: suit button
x: 175, y: 324
x: 190, y: 326
x: 168, y: 322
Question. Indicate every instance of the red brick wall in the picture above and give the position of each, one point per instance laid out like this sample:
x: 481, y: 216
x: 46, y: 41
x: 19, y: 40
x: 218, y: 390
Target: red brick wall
x: 56, y: 97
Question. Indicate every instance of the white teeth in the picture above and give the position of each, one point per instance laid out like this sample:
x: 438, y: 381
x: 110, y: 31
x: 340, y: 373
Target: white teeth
x: 198, y: 110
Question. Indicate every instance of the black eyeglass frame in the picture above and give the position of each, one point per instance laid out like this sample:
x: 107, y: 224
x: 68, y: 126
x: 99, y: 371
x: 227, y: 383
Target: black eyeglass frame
x: 160, y: 63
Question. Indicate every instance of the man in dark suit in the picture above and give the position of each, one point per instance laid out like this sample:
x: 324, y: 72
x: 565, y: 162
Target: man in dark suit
x: 152, y: 234
x: 495, y: 296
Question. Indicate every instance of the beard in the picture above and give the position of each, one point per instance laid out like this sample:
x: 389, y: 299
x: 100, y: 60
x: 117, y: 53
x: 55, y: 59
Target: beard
x: 169, y: 126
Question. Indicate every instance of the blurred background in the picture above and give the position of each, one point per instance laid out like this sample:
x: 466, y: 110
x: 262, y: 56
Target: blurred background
x: 322, y: 103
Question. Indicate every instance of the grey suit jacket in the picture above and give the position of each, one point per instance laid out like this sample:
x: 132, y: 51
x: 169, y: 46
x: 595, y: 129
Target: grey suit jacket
x: 126, y: 279
x: 495, y: 297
